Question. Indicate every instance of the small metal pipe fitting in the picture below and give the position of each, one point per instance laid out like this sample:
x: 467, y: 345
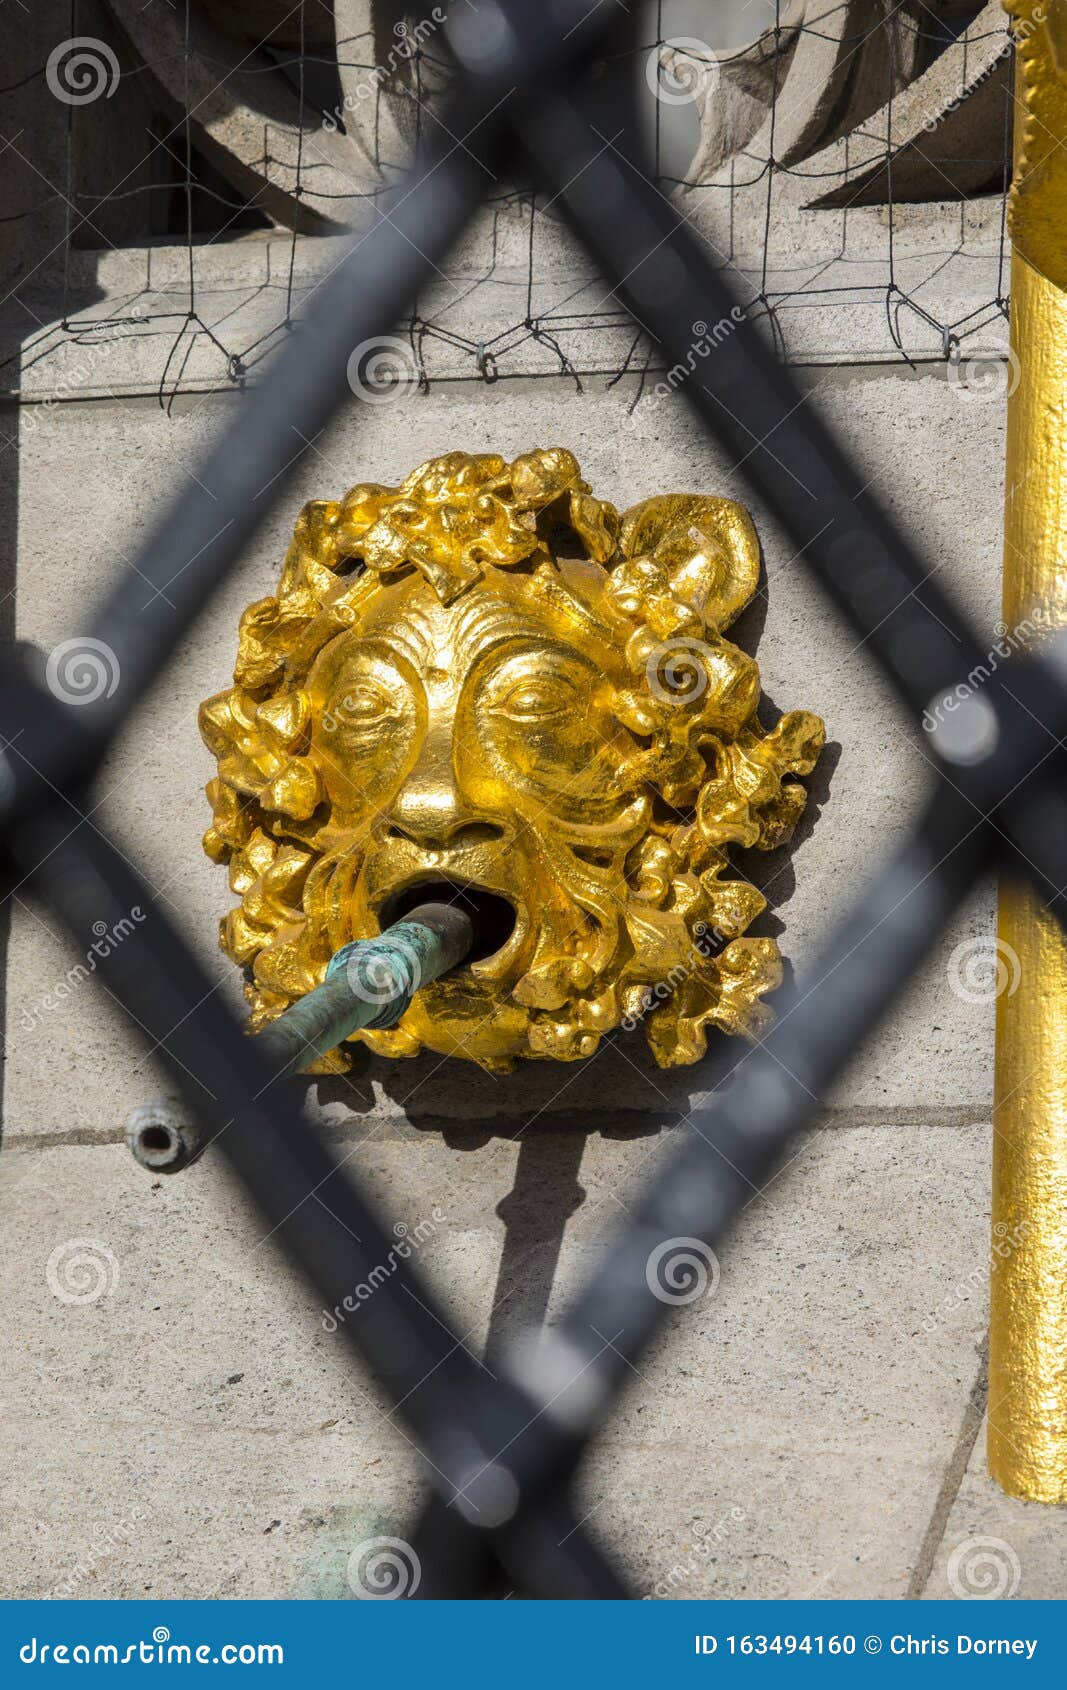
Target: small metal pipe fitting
x: 369, y: 983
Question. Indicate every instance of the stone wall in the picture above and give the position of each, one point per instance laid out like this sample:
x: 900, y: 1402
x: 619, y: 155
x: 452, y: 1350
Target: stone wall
x: 182, y: 1422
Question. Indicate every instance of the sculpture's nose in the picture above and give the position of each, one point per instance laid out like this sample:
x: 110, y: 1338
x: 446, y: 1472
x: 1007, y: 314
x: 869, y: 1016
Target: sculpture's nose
x: 429, y: 809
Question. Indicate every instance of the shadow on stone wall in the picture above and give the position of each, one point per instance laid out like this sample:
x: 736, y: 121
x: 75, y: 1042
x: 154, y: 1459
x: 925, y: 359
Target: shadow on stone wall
x: 535, y: 1212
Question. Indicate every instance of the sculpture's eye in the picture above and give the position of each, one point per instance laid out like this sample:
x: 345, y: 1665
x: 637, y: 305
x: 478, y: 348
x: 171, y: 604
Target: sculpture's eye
x: 367, y: 706
x: 537, y: 700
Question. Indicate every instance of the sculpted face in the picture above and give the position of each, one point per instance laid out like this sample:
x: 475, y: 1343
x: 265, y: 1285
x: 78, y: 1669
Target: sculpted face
x: 484, y: 686
x: 460, y: 744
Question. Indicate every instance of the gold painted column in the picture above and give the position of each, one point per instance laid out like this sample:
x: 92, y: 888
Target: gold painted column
x: 1028, y: 1317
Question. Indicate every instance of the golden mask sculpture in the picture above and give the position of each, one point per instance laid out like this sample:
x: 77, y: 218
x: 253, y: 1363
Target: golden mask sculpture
x: 487, y: 682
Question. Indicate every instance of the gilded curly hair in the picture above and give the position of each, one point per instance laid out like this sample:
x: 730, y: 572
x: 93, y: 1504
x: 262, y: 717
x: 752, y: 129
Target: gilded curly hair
x: 662, y: 581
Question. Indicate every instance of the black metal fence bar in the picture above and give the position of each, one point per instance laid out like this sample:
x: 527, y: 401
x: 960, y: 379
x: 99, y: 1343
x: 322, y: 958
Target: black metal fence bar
x: 314, y: 1209
x: 49, y: 747
x: 502, y: 1453
x: 768, y: 425
x: 924, y: 645
x: 200, y: 538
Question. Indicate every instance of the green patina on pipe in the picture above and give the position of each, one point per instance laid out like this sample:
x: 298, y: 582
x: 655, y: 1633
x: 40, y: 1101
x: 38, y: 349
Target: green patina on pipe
x: 369, y: 983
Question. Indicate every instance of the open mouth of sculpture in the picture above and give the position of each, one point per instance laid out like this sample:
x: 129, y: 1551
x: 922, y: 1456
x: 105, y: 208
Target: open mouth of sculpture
x: 492, y: 916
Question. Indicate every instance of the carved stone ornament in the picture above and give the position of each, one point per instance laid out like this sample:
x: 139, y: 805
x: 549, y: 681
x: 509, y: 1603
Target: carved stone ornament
x: 489, y: 681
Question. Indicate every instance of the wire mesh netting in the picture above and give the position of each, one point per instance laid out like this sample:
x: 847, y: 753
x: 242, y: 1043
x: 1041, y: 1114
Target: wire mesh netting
x: 850, y: 161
